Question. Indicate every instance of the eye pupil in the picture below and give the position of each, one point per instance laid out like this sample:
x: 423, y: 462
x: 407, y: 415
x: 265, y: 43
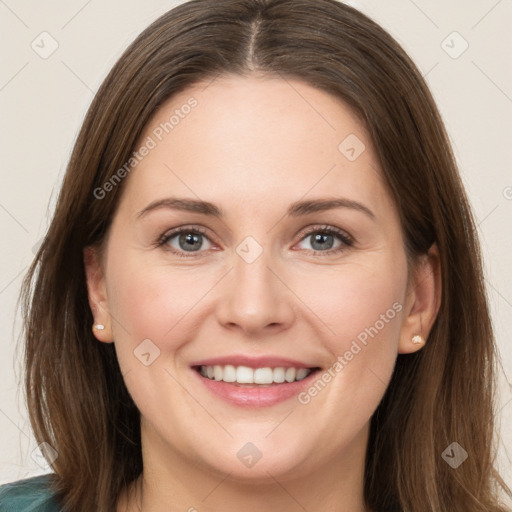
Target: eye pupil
x: 190, y: 238
x: 320, y: 238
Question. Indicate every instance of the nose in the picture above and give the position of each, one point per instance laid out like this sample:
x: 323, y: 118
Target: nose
x: 255, y: 298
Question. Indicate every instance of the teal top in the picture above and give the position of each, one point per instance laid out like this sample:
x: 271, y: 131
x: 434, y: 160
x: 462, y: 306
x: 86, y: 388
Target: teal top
x: 29, y: 495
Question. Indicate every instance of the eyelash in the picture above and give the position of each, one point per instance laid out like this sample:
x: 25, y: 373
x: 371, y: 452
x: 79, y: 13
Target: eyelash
x: 347, y: 240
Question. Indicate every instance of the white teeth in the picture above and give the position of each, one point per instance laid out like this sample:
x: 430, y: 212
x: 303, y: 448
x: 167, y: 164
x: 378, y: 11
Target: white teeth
x: 229, y: 373
x: 218, y: 372
x: 290, y: 374
x: 302, y: 373
x: 263, y: 376
x: 279, y: 375
x: 246, y: 375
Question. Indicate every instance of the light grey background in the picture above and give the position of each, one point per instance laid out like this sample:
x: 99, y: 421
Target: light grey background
x: 43, y: 99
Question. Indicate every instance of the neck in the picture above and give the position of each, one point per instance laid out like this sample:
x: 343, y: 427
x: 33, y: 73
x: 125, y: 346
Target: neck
x: 171, y: 482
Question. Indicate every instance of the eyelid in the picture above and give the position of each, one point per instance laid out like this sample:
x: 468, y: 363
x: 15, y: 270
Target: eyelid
x: 314, y: 228
x: 346, y: 238
x: 168, y: 235
x: 171, y: 233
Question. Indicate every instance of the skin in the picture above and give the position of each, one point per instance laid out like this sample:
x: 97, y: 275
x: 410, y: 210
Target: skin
x: 253, y: 146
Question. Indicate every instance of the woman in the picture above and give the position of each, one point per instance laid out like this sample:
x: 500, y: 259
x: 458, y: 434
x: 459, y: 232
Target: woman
x: 262, y: 285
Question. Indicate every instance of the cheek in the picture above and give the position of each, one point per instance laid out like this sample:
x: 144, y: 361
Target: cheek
x: 157, y: 304
x: 359, y: 311
x: 364, y: 311
x: 353, y: 300
x: 154, y: 302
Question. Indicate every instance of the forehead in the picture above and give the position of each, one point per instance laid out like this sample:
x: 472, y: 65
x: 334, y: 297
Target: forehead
x: 247, y: 139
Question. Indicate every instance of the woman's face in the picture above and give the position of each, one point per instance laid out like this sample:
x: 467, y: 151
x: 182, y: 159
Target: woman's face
x: 254, y: 286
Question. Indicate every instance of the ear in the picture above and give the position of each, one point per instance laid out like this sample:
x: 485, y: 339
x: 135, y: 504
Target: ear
x: 422, y: 301
x: 97, y: 292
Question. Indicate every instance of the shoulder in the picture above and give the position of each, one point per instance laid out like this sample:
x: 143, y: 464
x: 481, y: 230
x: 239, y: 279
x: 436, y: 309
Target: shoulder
x: 28, y: 495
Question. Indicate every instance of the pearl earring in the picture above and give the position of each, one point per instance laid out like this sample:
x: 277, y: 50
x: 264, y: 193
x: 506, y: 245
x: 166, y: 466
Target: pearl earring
x: 99, y: 327
x: 417, y: 339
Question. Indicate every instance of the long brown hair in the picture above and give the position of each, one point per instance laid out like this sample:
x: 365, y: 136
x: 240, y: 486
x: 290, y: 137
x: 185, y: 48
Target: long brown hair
x: 77, y: 399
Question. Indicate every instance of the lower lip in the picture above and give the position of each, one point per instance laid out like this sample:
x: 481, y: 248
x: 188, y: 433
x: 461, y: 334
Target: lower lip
x: 257, y: 396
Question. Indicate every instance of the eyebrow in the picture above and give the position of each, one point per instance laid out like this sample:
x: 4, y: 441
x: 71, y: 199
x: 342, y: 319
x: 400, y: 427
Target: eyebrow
x: 296, y: 209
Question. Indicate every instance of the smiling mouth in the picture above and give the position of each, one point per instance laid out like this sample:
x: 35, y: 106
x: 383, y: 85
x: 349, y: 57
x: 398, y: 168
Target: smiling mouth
x: 245, y: 376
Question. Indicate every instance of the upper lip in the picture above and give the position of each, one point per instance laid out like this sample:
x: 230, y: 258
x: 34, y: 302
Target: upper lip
x: 253, y: 362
